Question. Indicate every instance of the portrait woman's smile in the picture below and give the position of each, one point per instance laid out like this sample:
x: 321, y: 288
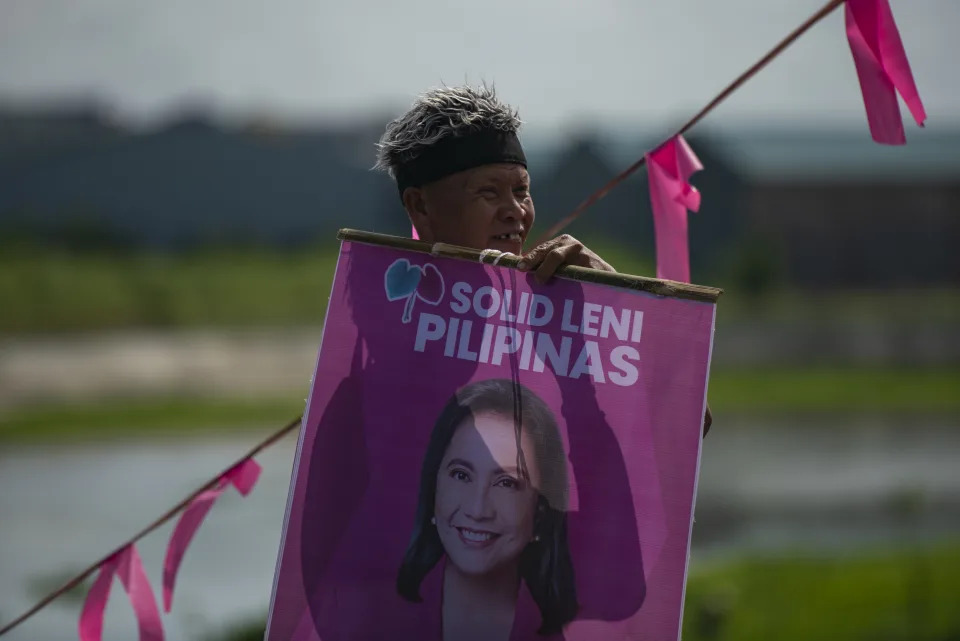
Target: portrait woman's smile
x: 486, y: 505
x: 492, y: 514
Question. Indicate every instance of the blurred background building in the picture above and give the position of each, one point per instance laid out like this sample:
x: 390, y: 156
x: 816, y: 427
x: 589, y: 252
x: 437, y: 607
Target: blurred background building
x: 827, y: 203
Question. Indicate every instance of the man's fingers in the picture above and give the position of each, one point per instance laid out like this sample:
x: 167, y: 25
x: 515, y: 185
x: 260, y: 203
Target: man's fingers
x: 554, y: 259
x: 535, y: 256
x: 547, y: 258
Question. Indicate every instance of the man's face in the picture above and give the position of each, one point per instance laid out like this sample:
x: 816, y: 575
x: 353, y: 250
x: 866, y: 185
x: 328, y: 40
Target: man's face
x: 487, y: 207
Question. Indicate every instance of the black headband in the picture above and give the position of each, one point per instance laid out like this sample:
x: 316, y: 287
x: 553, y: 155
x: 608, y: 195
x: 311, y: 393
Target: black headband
x: 459, y: 153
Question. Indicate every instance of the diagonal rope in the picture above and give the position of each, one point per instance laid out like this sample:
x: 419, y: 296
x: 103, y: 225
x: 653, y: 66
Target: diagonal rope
x: 75, y: 581
x: 824, y: 11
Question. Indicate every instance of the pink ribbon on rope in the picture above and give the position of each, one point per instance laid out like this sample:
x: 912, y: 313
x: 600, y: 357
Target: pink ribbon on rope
x: 882, y: 69
x: 413, y: 233
x: 242, y: 476
x: 669, y: 168
x: 127, y: 564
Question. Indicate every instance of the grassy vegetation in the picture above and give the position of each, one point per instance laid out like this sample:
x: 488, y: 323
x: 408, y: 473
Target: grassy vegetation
x: 914, y: 391
x: 47, y: 290
x: 884, y: 596
x: 732, y: 394
x: 147, y: 417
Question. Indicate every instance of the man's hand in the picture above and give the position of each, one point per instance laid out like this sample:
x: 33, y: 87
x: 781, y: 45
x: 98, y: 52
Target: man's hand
x: 547, y: 258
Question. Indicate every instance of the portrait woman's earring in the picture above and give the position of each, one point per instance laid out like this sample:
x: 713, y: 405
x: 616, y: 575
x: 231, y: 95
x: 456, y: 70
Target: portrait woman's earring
x: 433, y: 520
x: 536, y: 538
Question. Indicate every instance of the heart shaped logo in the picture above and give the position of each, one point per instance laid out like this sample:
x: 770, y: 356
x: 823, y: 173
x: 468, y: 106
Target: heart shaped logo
x: 401, y: 279
x: 430, y: 289
x: 405, y: 281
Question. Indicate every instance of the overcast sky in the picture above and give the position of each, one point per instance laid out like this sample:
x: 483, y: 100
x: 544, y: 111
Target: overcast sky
x: 644, y: 62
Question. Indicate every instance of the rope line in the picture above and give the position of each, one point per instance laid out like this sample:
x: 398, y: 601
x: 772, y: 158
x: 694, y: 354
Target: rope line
x: 823, y: 12
x: 72, y: 583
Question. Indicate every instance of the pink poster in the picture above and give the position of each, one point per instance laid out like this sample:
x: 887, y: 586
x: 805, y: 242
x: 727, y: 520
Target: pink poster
x: 485, y: 457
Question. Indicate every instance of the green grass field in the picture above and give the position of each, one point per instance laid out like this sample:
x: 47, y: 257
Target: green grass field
x: 903, y: 595
x: 56, y: 292
x: 732, y: 395
x: 842, y: 390
x: 43, y: 290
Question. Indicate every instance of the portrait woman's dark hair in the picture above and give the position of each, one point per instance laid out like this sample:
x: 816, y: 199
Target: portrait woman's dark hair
x: 545, y: 565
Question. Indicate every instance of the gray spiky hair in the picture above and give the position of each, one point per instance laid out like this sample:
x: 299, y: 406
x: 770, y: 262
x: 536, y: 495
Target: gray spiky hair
x: 439, y: 113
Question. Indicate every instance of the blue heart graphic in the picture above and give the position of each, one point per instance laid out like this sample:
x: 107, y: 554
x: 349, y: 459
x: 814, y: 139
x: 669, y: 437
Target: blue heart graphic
x: 401, y: 279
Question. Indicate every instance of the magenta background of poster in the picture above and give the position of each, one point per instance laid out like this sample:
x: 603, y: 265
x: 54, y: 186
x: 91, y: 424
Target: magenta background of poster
x: 372, y: 405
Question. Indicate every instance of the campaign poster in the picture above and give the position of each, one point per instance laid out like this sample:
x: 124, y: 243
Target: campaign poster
x: 486, y: 457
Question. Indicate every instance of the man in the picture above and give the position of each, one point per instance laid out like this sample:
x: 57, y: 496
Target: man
x: 462, y: 178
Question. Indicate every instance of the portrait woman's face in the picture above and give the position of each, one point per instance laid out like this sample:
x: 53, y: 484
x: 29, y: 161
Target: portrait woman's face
x: 485, y: 509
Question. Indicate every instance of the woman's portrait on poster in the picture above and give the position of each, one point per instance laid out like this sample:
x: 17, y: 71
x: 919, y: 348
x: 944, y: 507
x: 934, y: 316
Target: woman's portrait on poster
x: 491, y: 516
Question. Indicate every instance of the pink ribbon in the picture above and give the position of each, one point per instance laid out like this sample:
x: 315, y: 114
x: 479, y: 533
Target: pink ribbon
x: 413, y: 232
x: 242, y: 476
x: 882, y: 68
x: 669, y: 168
x: 127, y: 564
